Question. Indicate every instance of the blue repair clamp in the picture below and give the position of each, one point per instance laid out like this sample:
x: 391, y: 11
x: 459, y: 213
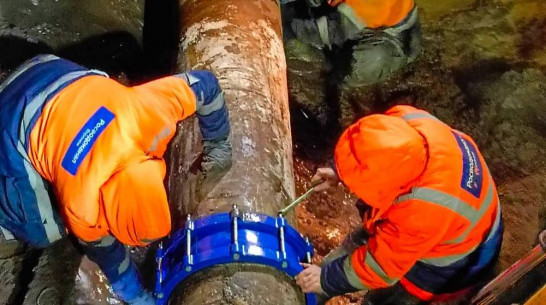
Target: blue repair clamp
x: 230, y: 238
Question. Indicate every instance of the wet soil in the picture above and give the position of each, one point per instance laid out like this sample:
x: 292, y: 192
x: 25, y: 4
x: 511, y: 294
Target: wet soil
x: 481, y: 71
x: 326, y: 218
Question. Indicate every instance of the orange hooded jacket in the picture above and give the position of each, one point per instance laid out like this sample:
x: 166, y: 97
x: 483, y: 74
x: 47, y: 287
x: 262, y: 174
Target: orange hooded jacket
x: 117, y: 187
x: 375, y: 13
x: 433, y: 199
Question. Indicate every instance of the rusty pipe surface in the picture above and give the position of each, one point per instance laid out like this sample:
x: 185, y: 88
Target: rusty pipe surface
x: 241, y: 42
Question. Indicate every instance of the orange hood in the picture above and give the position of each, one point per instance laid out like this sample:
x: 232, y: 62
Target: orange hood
x: 379, y: 157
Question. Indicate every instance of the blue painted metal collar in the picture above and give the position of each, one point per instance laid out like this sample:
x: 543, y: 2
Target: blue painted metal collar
x: 230, y: 238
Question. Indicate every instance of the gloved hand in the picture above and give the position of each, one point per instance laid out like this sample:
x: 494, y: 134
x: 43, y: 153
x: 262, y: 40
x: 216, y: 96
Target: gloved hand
x: 216, y: 156
x: 145, y: 298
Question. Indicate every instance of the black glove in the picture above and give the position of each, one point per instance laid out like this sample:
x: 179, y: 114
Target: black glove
x: 217, y: 157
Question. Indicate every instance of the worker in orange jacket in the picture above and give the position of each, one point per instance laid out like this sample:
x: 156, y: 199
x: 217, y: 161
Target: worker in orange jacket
x: 83, y: 154
x: 433, y: 223
x: 381, y: 35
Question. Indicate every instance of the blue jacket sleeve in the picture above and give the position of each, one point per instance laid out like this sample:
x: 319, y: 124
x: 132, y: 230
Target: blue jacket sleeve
x: 333, y: 279
x: 113, y: 259
x: 211, y: 108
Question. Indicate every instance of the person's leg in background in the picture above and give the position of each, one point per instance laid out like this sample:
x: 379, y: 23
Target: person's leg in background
x: 378, y: 55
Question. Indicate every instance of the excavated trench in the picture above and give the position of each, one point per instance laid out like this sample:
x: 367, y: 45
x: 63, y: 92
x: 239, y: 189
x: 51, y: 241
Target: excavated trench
x: 481, y: 70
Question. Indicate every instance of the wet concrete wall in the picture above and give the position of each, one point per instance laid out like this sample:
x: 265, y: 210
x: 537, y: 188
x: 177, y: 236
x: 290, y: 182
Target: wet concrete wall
x: 241, y: 42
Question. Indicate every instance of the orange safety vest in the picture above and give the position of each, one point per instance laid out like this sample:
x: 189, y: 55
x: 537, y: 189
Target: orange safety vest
x: 374, y: 13
x: 100, y: 145
x: 433, y: 199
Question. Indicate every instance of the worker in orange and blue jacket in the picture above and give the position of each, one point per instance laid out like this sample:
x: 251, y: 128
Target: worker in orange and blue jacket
x: 382, y: 35
x: 432, y: 227
x: 83, y: 154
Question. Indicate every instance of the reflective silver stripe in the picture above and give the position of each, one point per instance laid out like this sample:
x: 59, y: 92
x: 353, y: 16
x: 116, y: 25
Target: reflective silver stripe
x: 409, y: 22
x: 106, y: 241
x: 453, y: 203
x: 25, y: 66
x: 372, y: 263
x: 7, y: 234
x: 166, y: 131
x: 190, y: 79
x: 216, y: 104
x: 439, y: 198
x: 45, y: 206
x: 418, y: 115
x: 322, y: 25
x: 40, y: 99
x: 125, y: 263
x: 447, y: 260
x: 460, y: 207
x: 496, y: 224
x: 348, y: 12
x: 476, y: 217
x: 351, y: 275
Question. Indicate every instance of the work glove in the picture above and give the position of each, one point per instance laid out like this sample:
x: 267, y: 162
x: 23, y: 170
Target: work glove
x: 145, y: 298
x: 216, y: 156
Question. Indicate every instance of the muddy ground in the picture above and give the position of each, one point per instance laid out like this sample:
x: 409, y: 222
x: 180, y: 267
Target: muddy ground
x: 481, y: 71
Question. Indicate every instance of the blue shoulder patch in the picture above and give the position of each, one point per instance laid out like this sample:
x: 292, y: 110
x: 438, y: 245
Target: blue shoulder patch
x: 84, y: 140
x: 472, y: 168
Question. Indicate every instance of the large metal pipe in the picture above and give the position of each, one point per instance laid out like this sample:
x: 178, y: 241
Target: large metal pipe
x: 241, y: 42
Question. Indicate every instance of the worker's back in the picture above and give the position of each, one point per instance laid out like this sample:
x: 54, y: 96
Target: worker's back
x: 88, y: 137
x: 435, y: 211
x: 458, y: 185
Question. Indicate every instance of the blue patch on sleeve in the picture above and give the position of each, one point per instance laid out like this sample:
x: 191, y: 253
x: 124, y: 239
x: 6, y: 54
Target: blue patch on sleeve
x: 472, y: 168
x: 84, y: 140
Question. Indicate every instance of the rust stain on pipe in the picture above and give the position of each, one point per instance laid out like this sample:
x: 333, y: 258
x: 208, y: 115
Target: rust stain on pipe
x: 241, y: 42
